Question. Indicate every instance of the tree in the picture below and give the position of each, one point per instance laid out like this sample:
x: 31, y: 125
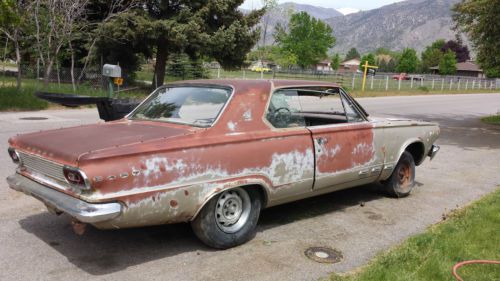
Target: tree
x: 480, y: 20
x: 282, y: 57
x: 352, y: 54
x: 54, y: 24
x: 270, y: 6
x: 448, y: 62
x: 335, y: 62
x: 368, y: 57
x: 13, y: 17
x: 216, y: 29
x: 383, y: 51
x: 460, y: 50
x: 308, y: 39
x: 432, y: 55
x: 408, y: 62
x: 392, y: 65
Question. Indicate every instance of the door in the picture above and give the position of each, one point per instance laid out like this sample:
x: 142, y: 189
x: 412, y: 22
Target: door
x: 346, y: 145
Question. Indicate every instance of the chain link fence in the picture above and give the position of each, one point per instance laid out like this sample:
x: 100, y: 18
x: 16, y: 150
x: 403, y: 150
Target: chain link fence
x: 64, y: 79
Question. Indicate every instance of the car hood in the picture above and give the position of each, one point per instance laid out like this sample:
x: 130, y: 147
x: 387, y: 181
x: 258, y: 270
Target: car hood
x: 399, y: 121
x: 68, y: 145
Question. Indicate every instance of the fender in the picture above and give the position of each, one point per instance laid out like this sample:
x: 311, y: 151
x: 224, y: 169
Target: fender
x: 254, y: 180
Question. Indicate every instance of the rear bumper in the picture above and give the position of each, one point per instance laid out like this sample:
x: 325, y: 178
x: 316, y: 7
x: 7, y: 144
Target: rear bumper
x: 81, y: 210
x: 433, y: 151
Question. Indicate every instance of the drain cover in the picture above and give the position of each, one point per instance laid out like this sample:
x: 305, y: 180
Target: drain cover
x: 323, y: 254
x: 33, y: 118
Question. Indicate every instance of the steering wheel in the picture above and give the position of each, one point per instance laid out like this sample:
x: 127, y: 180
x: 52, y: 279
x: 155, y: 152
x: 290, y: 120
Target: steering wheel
x: 282, y: 117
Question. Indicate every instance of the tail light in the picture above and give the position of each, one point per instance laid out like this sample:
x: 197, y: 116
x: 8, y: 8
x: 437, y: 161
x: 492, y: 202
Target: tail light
x: 76, y: 177
x: 14, y: 155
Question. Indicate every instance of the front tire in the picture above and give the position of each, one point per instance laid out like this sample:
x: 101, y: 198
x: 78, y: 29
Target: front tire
x: 401, y: 182
x: 229, y: 219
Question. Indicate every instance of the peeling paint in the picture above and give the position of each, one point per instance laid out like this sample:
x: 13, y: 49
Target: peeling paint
x: 164, y: 173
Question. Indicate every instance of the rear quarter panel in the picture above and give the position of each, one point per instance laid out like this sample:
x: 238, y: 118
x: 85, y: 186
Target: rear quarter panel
x: 399, y: 134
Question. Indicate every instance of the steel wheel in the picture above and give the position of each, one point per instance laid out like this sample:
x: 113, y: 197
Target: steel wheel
x: 402, y: 180
x: 405, y: 176
x: 232, y: 210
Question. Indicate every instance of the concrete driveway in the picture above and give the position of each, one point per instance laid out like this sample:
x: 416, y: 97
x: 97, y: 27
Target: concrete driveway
x: 358, y: 222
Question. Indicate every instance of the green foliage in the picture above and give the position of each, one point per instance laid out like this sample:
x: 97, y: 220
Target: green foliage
x: 481, y: 21
x: 494, y: 119
x: 335, y: 61
x: 308, y: 39
x: 282, y: 57
x: 383, y: 51
x: 438, y: 44
x: 12, y: 99
x: 181, y: 66
x: 368, y: 57
x: 124, y: 39
x: 448, y: 63
x: 467, y: 234
x: 8, y: 14
x: 432, y: 55
x: 408, y: 62
x: 352, y: 54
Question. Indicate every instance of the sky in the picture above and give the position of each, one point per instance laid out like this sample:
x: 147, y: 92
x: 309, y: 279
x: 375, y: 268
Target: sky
x: 337, y: 4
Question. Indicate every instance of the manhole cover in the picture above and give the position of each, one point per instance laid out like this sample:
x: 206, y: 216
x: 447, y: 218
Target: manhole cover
x: 34, y: 118
x: 323, y: 254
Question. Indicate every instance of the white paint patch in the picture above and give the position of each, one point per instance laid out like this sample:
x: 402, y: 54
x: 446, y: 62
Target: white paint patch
x: 285, y: 168
x: 231, y: 126
x: 363, y: 149
x: 247, y: 116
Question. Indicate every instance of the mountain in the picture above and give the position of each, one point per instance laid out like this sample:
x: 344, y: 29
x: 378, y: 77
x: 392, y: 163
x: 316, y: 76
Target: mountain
x: 412, y: 23
x: 314, y: 11
x: 281, y: 15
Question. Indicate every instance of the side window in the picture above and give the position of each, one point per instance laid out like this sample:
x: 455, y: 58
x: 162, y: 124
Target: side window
x: 351, y: 113
x: 284, y: 110
x: 302, y: 107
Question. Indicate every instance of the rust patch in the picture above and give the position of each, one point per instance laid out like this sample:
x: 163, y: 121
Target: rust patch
x: 174, y: 203
x: 186, y: 192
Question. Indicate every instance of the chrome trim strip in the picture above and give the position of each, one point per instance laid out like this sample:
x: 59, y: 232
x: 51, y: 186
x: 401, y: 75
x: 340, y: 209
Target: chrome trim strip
x: 81, y: 210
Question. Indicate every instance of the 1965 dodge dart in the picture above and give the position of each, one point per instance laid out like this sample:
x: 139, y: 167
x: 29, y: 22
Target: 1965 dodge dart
x: 216, y: 152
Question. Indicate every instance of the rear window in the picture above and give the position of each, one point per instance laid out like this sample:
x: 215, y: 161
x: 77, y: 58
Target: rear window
x: 196, y: 106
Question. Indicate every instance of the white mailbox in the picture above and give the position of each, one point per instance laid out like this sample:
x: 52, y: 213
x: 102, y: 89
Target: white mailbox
x: 112, y: 70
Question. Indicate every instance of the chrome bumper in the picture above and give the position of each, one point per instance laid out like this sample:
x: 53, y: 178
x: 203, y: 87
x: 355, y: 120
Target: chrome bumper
x: 81, y: 210
x: 433, y: 151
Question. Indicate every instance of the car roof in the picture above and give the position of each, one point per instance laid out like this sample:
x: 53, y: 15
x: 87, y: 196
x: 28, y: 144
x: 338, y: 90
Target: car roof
x: 240, y: 84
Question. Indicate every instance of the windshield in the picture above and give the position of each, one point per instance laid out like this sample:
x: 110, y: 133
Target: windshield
x: 197, y: 106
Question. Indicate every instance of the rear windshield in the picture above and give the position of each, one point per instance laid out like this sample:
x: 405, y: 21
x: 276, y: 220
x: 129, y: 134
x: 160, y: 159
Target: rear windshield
x: 196, y: 106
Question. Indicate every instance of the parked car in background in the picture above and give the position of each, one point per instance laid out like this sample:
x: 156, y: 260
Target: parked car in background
x: 215, y: 153
x: 260, y: 69
x: 406, y: 76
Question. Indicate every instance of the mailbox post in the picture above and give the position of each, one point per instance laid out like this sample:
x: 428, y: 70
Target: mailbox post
x: 111, y: 71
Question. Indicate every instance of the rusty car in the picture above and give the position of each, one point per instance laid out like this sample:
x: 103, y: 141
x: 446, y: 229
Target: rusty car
x: 214, y: 153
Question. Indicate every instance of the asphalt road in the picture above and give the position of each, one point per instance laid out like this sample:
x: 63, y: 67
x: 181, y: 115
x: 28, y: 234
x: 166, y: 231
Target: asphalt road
x: 35, y: 245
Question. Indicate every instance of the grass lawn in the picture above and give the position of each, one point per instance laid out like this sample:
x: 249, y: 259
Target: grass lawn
x: 470, y: 233
x: 11, y: 99
x: 494, y: 119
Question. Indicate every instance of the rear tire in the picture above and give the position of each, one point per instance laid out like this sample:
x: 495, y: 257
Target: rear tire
x: 229, y: 219
x: 401, y: 182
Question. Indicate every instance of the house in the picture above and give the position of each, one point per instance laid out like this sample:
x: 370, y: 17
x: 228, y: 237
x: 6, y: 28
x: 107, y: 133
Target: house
x: 351, y: 65
x: 323, y: 65
x: 468, y: 68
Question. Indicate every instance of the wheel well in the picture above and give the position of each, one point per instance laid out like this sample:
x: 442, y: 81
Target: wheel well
x: 261, y: 190
x: 416, y: 150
